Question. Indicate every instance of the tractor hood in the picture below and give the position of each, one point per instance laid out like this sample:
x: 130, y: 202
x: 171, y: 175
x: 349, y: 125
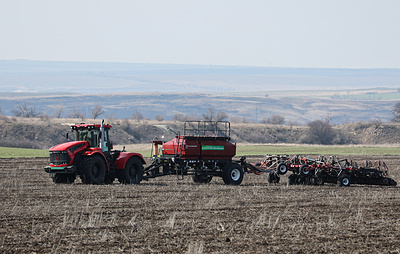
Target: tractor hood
x: 70, y: 147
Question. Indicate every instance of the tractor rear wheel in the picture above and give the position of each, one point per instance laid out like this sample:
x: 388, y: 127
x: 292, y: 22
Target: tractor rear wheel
x: 232, y: 174
x: 132, y: 173
x: 282, y: 169
x: 201, y: 178
x: 63, y: 178
x: 94, y: 170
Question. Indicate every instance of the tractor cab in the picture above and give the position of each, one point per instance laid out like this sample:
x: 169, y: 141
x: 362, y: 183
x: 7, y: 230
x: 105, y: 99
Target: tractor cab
x: 95, y: 134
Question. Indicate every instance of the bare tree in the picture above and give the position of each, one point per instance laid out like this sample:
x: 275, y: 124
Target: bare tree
x: 178, y: 117
x: 159, y: 118
x: 58, y: 111
x: 97, y: 111
x: 275, y: 119
x: 24, y: 110
x: 221, y: 116
x: 213, y: 115
x: 138, y: 116
x: 320, y: 132
x: 76, y: 114
x: 396, y: 113
x: 209, y: 116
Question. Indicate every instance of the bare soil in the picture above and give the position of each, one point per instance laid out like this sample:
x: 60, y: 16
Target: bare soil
x: 166, y: 215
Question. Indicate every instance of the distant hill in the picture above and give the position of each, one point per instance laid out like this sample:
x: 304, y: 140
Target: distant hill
x: 249, y: 93
x: 45, y: 133
x: 94, y: 78
x: 295, y: 107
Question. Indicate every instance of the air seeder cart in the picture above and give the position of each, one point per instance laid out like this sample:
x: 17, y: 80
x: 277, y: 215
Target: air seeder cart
x: 203, y: 151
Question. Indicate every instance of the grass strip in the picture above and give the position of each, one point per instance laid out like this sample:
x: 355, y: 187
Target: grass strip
x: 242, y: 150
x: 11, y: 152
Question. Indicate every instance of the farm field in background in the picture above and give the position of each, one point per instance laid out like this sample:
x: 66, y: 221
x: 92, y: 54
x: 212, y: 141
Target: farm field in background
x: 10, y: 152
x: 166, y: 215
x: 242, y: 150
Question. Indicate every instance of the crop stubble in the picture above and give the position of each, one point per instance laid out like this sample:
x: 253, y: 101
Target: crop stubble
x: 171, y: 216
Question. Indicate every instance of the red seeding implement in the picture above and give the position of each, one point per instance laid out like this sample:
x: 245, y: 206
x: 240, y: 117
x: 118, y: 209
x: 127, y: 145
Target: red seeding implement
x: 342, y: 172
x: 203, y: 151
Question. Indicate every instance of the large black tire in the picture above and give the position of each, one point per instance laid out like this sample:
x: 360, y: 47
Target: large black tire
x: 292, y: 179
x: 318, y: 180
x: 132, y: 173
x: 301, y: 179
x: 201, y: 178
x: 94, y: 170
x: 386, y: 181
x: 282, y: 169
x: 273, y: 177
x: 344, y: 180
x: 63, y: 178
x: 232, y: 174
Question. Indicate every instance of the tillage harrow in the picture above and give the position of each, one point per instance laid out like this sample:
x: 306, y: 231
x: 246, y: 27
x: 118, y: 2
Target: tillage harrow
x: 324, y: 170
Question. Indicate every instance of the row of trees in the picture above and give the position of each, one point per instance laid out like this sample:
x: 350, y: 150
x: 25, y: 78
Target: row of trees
x: 27, y: 111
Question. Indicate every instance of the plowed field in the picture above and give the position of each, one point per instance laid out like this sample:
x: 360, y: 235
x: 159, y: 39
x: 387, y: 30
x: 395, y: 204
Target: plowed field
x: 166, y: 215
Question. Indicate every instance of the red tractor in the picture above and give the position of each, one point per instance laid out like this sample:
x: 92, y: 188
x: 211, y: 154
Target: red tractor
x: 91, y: 157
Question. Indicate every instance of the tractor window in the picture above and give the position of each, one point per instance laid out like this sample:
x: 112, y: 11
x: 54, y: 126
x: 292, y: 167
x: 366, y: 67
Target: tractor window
x: 91, y: 136
x: 106, y: 141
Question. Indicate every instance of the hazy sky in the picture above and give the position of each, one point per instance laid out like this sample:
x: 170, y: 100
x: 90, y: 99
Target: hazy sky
x: 297, y: 33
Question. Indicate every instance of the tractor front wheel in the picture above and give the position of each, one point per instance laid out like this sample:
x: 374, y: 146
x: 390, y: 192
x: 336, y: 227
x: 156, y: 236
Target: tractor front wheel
x: 232, y: 174
x: 94, y: 170
x: 132, y: 173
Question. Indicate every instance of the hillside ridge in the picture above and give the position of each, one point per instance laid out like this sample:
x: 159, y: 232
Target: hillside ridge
x: 43, y: 134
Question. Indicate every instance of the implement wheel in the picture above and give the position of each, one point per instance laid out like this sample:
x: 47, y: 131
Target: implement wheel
x: 132, y: 173
x: 282, y: 169
x: 201, y: 178
x: 94, y: 170
x: 318, y: 180
x: 303, y: 169
x: 344, y: 180
x: 232, y: 174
